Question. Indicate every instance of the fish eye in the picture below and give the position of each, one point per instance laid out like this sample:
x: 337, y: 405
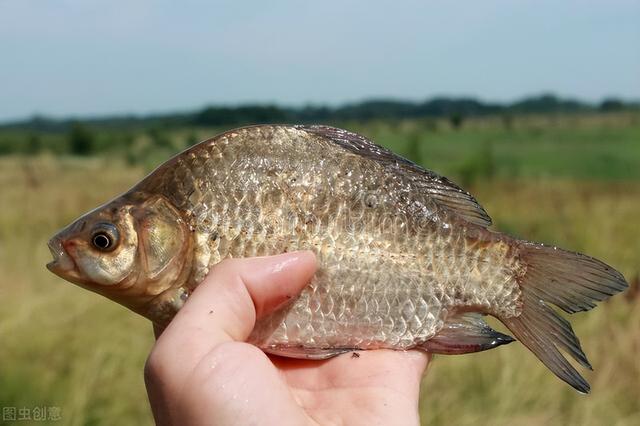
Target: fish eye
x: 104, y: 237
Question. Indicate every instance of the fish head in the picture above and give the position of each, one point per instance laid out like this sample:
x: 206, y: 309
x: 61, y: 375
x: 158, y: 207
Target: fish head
x: 130, y: 250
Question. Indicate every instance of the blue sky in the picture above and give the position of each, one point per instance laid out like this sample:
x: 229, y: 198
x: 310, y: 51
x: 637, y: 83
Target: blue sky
x: 85, y: 57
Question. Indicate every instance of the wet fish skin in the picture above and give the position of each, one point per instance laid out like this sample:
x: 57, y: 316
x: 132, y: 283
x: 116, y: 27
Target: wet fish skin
x: 328, y: 206
x: 406, y: 259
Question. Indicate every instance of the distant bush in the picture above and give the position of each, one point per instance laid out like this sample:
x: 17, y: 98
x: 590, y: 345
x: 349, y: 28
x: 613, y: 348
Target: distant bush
x: 6, y: 147
x: 456, y: 120
x: 548, y: 103
x: 250, y: 114
x: 81, y: 140
x: 611, y: 104
x: 160, y: 139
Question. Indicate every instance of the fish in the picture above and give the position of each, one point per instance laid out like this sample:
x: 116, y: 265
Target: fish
x: 407, y: 259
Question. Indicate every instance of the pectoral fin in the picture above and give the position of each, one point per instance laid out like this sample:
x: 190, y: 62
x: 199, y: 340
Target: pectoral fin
x: 157, y: 330
x: 463, y: 334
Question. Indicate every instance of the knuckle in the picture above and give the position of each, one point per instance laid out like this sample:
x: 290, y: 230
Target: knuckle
x: 227, y: 266
x: 227, y: 275
x: 153, y: 365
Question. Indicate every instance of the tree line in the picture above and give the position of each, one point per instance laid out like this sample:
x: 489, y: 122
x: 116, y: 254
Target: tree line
x: 142, y: 137
x: 455, y: 109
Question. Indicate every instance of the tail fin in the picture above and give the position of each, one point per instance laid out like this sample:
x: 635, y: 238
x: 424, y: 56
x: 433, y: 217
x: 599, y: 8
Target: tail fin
x: 571, y: 281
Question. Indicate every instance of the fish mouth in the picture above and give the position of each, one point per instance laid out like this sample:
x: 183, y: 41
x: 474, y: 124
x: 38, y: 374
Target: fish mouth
x: 62, y: 264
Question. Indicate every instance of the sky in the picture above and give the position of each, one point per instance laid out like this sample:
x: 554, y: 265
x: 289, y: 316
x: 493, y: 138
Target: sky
x: 96, y: 57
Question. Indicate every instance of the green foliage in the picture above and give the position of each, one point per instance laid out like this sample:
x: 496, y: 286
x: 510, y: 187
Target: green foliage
x: 612, y: 104
x: 548, y: 104
x: 81, y: 140
x: 456, y: 119
x: 160, y: 139
x: 217, y: 116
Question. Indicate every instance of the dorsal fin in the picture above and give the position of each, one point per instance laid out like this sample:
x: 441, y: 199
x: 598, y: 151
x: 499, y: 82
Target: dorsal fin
x: 444, y: 192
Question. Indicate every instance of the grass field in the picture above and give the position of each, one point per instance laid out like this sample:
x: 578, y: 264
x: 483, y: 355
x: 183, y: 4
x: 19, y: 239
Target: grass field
x: 572, y: 181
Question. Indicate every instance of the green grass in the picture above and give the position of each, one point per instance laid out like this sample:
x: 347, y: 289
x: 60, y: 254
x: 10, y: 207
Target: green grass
x: 604, y: 146
x: 590, y: 147
x: 63, y: 346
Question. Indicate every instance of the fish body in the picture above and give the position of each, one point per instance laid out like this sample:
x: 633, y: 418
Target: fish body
x: 406, y: 259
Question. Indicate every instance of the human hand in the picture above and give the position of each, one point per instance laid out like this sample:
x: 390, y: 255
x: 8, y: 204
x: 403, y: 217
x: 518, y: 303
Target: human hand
x: 200, y: 371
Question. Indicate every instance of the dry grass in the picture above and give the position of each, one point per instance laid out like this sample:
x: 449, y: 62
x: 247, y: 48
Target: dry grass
x: 63, y: 346
x: 509, y: 385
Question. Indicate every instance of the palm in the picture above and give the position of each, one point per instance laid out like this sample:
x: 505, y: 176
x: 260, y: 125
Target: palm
x: 357, y: 388
x: 236, y: 383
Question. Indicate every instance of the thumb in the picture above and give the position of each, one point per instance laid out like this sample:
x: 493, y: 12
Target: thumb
x: 225, y: 306
x: 238, y: 291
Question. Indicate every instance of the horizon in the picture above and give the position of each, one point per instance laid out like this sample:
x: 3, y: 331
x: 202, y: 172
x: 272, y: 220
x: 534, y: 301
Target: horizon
x: 72, y: 59
x: 629, y: 102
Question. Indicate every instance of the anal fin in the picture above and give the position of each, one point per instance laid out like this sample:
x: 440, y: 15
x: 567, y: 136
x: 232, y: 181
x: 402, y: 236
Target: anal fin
x: 305, y: 353
x: 465, y: 333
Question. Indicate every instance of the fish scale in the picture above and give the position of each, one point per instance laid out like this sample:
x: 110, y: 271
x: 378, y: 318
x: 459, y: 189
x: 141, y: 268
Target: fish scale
x: 340, y: 209
x: 405, y: 256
